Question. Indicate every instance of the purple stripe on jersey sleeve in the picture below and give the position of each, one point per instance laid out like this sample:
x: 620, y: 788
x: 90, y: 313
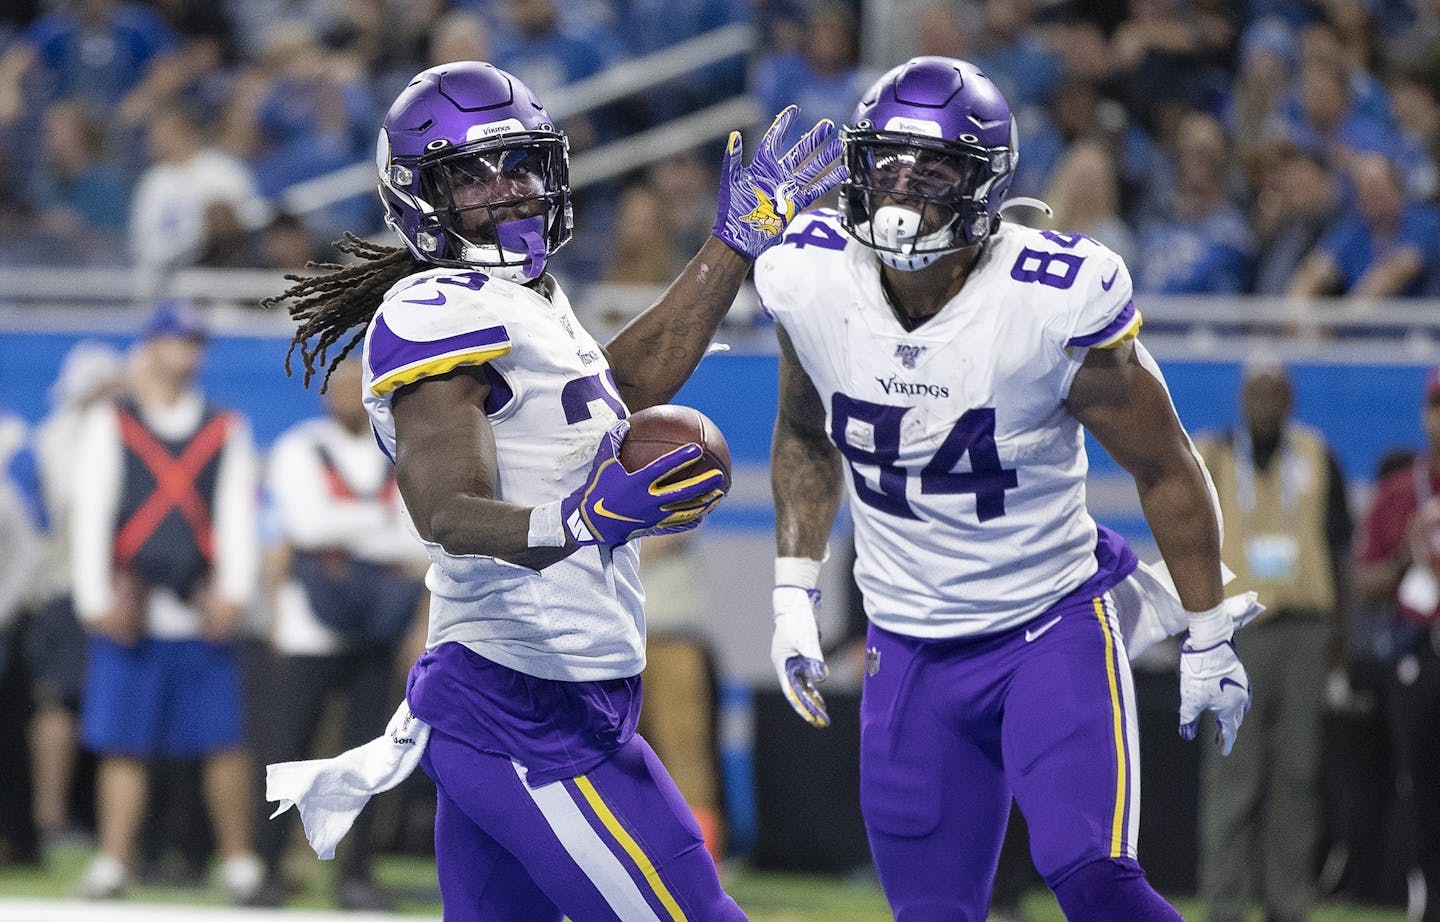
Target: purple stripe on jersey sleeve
x: 381, y: 442
x: 389, y: 352
x: 1109, y: 331
x: 500, y: 392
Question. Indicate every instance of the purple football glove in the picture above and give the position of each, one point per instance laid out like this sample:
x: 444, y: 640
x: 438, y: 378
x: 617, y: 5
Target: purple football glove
x: 759, y: 200
x: 615, y: 506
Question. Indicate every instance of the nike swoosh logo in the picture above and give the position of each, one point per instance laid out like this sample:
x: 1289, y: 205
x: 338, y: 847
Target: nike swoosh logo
x: 438, y: 299
x: 1033, y: 634
x: 1227, y: 679
x: 600, y: 509
x: 1106, y: 283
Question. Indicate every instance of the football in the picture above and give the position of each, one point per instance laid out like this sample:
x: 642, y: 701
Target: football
x: 656, y: 430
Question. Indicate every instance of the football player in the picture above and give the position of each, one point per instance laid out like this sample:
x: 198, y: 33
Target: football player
x: 504, y: 419
x: 939, y: 365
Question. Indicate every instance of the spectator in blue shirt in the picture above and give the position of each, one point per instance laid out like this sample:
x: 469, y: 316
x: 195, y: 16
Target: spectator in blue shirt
x: 645, y: 26
x: 1330, y: 123
x: 1011, y: 54
x: 535, y: 47
x: 1321, y: 43
x: 81, y: 198
x: 1389, y: 249
x: 305, y: 112
x: 823, y: 77
x: 1417, y: 116
x: 95, y: 51
x: 1198, y: 242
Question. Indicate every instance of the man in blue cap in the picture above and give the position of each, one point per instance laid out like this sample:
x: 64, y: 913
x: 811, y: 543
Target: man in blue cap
x: 165, y: 561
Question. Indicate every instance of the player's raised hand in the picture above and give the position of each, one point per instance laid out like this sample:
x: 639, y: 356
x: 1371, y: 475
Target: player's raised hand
x: 614, y: 505
x: 758, y: 200
x: 795, y: 652
x: 1212, y: 677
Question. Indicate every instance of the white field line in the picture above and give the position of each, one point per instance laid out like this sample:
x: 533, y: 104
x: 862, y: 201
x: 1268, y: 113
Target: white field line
x: 82, y: 911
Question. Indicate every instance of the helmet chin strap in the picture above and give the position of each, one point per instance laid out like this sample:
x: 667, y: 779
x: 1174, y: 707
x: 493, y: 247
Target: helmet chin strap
x: 520, y: 256
x: 893, y: 228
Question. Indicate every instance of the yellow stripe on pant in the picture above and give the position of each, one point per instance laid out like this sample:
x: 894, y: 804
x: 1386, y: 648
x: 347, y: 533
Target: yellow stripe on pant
x: 632, y: 848
x: 1117, y: 843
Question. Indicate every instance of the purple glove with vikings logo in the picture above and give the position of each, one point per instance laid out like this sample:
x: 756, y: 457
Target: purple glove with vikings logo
x: 615, y: 505
x: 757, y: 201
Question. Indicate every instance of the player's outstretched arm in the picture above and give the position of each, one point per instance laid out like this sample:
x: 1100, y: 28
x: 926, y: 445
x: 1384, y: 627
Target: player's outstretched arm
x: 1129, y: 412
x: 657, y: 351
x: 805, y: 478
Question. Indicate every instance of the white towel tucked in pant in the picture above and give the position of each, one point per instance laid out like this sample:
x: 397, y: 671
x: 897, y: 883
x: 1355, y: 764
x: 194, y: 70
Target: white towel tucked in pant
x: 330, y: 793
x: 1150, y: 609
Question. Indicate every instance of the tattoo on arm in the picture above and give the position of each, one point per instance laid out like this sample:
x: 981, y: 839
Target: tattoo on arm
x: 657, y: 351
x: 805, y: 468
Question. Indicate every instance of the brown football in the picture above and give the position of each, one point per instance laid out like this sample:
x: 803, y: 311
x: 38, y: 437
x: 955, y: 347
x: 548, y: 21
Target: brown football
x: 657, y: 430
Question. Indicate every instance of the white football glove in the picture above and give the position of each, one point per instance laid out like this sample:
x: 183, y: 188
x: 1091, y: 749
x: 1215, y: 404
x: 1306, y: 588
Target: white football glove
x: 795, y: 652
x: 1212, y: 677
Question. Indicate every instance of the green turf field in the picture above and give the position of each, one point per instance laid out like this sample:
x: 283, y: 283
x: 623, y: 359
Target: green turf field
x: 765, y: 896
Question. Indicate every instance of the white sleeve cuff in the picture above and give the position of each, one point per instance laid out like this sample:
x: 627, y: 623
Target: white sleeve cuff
x: 1211, y: 627
x: 801, y: 572
x: 545, y: 530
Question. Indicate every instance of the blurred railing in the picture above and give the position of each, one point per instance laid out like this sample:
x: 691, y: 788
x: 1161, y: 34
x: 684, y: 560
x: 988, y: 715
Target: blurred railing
x: 614, y: 83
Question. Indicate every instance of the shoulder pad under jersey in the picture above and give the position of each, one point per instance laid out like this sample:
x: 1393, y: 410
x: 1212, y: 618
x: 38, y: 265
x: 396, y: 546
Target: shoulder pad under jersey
x: 432, y: 323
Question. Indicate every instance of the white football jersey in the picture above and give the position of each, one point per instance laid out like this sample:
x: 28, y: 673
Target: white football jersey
x: 552, y: 396
x: 965, y: 472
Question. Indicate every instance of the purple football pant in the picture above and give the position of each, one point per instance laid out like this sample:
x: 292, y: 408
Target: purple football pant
x: 615, y: 843
x: 951, y: 730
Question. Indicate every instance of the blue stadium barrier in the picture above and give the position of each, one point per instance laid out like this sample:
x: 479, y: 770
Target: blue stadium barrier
x: 1364, y: 409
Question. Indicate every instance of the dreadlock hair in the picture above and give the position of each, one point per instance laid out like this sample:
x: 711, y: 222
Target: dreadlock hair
x: 329, y: 305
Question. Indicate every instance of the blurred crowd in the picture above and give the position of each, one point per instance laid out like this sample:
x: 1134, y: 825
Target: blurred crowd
x: 1270, y: 146
x: 180, y: 610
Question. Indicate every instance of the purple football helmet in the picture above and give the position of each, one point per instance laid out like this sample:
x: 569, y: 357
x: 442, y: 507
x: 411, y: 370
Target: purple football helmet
x: 931, y: 150
x: 473, y: 172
